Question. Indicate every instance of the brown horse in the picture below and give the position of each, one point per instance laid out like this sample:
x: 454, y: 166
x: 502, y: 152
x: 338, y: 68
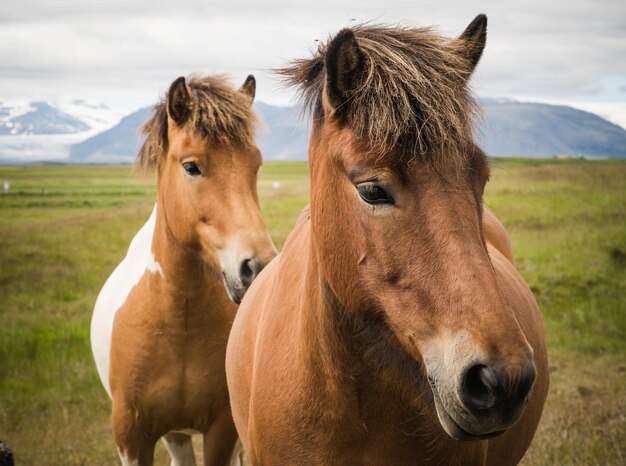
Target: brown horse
x: 390, y: 330
x: 161, y: 322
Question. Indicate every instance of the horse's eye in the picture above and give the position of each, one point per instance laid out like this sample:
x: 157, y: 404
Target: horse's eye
x: 191, y: 168
x: 373, y: 194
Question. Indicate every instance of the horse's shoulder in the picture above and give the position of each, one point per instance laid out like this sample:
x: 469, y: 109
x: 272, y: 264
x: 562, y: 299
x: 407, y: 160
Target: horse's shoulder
x: 127, y: 274
x: 305, y: 215
x: 497, y: 236
x: 297, y: 240
x: 115, y: 292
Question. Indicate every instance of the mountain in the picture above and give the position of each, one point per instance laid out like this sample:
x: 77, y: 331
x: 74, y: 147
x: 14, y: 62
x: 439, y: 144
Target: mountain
x: 286, y: 132
x: 541, y: 130
x: 283, y: 135
x: 39, y: 118
x: 509, y: 128
x: 118, y: 144
x: 96, y: 115
x: 45, y: 131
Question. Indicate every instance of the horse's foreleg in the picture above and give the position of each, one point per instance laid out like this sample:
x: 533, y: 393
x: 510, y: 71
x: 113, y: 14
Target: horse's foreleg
x: 180, y: 448
x: 219, y: 441
x: 134, y: 445
x: 238, y: 457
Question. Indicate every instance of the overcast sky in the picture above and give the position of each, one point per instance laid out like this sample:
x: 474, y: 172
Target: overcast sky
x: 125, y: 53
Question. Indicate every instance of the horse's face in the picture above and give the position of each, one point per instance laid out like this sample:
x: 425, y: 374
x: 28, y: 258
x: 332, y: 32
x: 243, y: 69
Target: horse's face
x: 208, y: 193
x: 403, y: 241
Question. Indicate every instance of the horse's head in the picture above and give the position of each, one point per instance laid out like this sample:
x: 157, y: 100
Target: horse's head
x: 396, y: 212
x: 202, y: 139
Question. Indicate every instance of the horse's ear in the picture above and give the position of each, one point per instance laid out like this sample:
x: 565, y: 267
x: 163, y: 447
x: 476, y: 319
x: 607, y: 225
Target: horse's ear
x: 179, y: 102
x: 471, y: 43
x: 249, y: 87
x: 344, y: 62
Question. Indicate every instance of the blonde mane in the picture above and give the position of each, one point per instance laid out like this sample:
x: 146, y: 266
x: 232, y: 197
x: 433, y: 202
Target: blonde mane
x: 219, y: 113
x: 412, y: 94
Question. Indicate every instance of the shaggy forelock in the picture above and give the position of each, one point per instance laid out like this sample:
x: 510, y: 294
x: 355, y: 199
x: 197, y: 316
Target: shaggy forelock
x: 412, y: 95
x: 219, y: 113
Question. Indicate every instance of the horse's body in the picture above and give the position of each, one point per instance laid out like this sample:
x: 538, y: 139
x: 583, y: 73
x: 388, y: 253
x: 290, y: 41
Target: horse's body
x: 393, y: 328
x: 161, y: 322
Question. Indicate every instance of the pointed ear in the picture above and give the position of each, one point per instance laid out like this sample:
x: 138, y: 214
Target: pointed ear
x: 178, y: 102
x: 344, y: 62
x: 471, y: 43
x: 249, y: 87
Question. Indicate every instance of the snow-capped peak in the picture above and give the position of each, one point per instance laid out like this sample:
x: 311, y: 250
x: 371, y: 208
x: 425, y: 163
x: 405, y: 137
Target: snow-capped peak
x: 25, y: 118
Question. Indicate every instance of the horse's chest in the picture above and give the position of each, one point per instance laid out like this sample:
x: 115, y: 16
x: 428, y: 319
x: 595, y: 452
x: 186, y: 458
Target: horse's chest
x: 192, y: 398
x: 192, y: 364
x: 169, y: 370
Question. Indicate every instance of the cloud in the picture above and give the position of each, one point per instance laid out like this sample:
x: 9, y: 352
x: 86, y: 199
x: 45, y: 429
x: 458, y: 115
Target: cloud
x: 131, y: 51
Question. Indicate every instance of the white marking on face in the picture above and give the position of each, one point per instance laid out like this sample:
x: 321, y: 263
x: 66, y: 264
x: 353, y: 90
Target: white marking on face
x: 231, y: 255
x: 448, y: 352
x: 446, y: 357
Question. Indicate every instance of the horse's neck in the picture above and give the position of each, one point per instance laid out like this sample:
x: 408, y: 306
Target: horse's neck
x: 183, y: 277
x: 326, y: 346
x: 346, y: 350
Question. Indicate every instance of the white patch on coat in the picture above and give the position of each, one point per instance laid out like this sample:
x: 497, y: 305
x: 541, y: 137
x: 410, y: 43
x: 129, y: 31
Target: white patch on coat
x: 182, y: 453
x: 153, y: 266
x: 139, y: 258
x: 125, y: 461
x: 236, y: 458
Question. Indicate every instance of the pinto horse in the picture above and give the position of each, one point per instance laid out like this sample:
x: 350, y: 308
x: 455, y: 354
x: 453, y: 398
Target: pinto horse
x: 161, y: 322
x: 393, y: 328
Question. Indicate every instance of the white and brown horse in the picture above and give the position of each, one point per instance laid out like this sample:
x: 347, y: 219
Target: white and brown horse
x: 161, y: 322
x: 393, y: 329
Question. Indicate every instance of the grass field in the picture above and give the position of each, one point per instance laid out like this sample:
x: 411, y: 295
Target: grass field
x: 64, y: 228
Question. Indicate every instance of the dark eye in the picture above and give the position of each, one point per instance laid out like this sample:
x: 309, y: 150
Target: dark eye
x: 191, y: 168
x: 373, y: 194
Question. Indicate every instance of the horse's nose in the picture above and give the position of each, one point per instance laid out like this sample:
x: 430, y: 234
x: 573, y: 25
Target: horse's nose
x: 248, y: 270
x: 489, y: 388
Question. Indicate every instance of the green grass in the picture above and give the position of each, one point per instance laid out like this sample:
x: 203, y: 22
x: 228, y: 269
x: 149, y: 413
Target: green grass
x: 64, y: 228
x: 567, y: 221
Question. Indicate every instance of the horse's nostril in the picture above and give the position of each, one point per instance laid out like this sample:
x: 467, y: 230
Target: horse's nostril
x: 477, y: 387
x: 246, y: 272
x: 526, y: 383
x: 486, y: 387
x: 480, y: 387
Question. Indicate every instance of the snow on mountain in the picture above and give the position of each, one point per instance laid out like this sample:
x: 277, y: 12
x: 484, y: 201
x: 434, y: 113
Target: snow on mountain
x: 26, y: 118
x: 11, y: 111
x: 95, y: 114
x: 45, y: 130
x: 117, y: 144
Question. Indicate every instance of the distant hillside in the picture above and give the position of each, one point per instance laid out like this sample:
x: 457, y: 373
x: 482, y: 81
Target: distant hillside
x: 540, y: 130
x: 509, y: 129
x: 283, y: 136
x: 118, y: 144
x: 286, y: 135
